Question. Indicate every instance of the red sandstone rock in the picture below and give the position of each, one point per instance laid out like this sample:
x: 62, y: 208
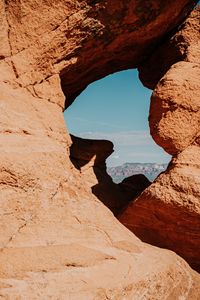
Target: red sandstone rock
x: 82, y: 40
x: 167, y: 214
x: 58, y: 241
x: 89, y: 157
x: 134, y: 185
x: 175, y: 108
x: 184, y: 45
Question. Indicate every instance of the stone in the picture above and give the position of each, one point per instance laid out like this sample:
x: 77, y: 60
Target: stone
x: 85, y: 151
x: 57, y: 239
x: 84, y: 40
x: 167, y: 213
x: 175, y: 108
x: 89, y: 156
x: 4, y: 32
x: 134, y: 185
x: 183, y: 45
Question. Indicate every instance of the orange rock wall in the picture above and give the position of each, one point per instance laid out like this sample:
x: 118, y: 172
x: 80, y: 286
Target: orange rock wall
x: 57, y: 240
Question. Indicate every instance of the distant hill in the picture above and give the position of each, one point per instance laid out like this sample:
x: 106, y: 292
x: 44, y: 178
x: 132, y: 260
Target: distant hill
x: 150, y: 170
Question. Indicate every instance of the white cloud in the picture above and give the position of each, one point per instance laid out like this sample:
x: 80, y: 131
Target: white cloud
x: 142, y: 154
x: 122, y: 138
x: 130, y: 146
x: 105, y: 124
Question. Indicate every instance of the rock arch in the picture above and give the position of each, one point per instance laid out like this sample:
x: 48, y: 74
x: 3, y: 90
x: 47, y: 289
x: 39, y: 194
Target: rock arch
x: 65, y: 242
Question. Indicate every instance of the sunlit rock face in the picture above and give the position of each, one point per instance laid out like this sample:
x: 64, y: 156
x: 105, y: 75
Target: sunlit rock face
x: 57, y: 239
x: 167, y: 214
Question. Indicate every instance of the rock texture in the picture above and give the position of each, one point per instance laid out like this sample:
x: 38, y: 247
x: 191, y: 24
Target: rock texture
x: 81, y: 40
x: 167, y: 214
x: 182, y: 46
x: 57, y: 240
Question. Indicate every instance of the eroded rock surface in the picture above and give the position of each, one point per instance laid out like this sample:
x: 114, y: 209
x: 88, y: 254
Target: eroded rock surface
x: 167, y: 214
x: 57, y: 240
x: 184, y: 45
x: 81, y: 40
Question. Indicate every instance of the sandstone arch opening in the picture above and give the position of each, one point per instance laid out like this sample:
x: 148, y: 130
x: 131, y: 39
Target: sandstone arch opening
x: 114, y: 109
x: 57, y: 241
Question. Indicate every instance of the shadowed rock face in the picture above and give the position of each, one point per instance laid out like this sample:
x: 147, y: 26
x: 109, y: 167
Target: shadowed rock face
x: 89, y: 156
x: 66, y: 243
x: 181, y: 46
x: 134, y: 185
x: 86, y: 151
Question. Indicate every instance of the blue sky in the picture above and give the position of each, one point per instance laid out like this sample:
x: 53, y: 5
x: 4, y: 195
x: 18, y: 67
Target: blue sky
x: 116, y: 108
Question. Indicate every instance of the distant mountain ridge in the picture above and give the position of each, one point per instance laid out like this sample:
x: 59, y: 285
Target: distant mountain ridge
x: 150, y: 170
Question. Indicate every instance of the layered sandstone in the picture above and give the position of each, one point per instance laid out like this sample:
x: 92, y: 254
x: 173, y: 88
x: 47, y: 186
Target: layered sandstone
x: 167, y: 214
x: 58, y: 241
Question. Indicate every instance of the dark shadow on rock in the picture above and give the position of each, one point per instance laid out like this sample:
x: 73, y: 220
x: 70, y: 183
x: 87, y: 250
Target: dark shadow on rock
x: 134, y: 185
x: 89, y: 157
x: 83, y: 151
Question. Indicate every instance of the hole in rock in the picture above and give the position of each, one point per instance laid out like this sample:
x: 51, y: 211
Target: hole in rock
x: 115, y: 109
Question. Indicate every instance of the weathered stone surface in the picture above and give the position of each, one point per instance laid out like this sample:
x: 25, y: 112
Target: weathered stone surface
x: 57, y: 240
x: 167, y: 214
x: 4, y: 32
x: 175, y: 108
x: 184, y: 45
x: 84, y: 40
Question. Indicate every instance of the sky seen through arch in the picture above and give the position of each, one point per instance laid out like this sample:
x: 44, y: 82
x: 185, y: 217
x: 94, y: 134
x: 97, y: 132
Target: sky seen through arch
x: 116, y: 108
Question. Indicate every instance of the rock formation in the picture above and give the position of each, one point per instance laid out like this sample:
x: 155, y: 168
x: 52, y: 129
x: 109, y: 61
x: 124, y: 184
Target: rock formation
x: 134, y: 185
x: 89, y: 156
x: 167, y: 214
x: 57, y: 240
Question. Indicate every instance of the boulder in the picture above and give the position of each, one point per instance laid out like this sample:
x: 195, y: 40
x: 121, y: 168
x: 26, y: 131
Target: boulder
x: 134, y: 185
